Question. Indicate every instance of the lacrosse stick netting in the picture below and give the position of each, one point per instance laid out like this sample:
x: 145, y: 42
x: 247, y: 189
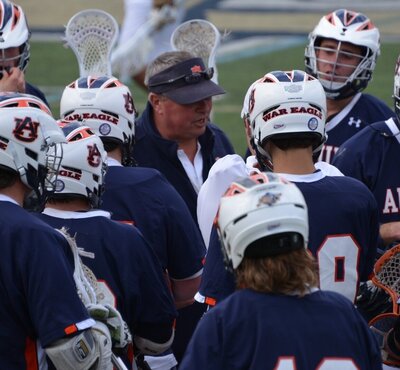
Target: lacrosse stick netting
x: 201, y: 38
x: 387, y: 274
x: 92, y: 34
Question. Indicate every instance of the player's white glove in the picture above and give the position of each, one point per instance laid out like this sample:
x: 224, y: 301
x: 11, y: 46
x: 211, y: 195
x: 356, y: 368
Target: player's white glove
x: 110, y: 316
x: 104, y: 342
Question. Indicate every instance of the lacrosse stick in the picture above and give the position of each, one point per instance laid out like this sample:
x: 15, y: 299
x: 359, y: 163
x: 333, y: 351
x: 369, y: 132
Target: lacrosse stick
x: 86, y: 285
x: 387, y: 277
x: 199, y: 37
x: 91, y: 34
x: 130, y: 57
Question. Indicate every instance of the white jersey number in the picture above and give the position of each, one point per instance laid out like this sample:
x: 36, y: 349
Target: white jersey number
x: 338, y: 258
x: 325, y: 364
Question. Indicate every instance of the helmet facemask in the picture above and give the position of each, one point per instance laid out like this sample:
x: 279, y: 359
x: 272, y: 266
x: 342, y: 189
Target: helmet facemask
x: 338, y: 86
x: 345, y: 27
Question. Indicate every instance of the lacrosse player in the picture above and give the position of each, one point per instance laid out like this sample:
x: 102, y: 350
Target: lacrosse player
x: 369, y: 156
x: 137, y: 14
x: 139, y: 195
x: 287, y: 116
x: 14, y: 50
x: 342, y: 52
x: 40, y: 307
x: 129, y: 276
x: 278, y: 318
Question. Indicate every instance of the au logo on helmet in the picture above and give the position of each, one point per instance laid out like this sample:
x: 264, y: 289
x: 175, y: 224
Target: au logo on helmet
x: 25, y: 129
x: 94, y: 156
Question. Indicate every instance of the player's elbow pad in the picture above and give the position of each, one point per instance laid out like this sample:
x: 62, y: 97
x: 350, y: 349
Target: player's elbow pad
x: 148, y: 347
x: 90, y: 349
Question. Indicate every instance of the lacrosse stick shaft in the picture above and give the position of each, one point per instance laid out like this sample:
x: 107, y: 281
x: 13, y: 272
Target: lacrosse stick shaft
x: 118, y: 363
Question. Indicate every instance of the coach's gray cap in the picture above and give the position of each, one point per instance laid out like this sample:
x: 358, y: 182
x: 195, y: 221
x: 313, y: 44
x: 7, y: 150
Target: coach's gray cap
x: 186, y: 82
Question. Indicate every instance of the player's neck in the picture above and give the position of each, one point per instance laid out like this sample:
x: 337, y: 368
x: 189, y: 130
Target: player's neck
x: 17, y: 191
x: 73, y: 205
x: 293, y: 161
x: 115, y: 154
x: 335, y: 106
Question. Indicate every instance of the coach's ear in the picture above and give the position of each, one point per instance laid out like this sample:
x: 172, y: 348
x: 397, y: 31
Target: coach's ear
x: 156, y: 101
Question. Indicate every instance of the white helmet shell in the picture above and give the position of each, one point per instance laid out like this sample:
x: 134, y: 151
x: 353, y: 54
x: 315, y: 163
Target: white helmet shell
x: 104, y: 104
x: 257, y: 207
x: 29, y: 140
x: 345, y: 26
x: 286, y: 103
x: 84, y: 163
x: 14, y: 32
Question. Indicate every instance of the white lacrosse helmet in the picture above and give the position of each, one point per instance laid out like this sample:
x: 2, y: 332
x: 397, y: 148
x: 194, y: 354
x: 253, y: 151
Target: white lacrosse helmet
x: 30, y: 141
x: 351, y: 27
x: 14, y: 32
x: 261, y: 215
x: 84, y: 164
x: 105, y: 105
x: 282, y: 104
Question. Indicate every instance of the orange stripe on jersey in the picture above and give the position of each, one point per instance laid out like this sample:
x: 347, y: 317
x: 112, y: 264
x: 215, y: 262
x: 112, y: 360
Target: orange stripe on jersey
x: 70, y: 329
x: 132, y: 223
x: 31, y: 355
x: 210, y: 301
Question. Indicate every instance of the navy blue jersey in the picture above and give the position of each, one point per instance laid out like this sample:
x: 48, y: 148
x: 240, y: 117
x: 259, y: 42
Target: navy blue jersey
x: 343, y: 234
x: 144, y: 196
x: 371, y: 157
x: 363, y: 110
x: 33, y: 90
x: 257, y: 331
x: 152, y: 150
x: 129, y: 276
x: 33, y: 269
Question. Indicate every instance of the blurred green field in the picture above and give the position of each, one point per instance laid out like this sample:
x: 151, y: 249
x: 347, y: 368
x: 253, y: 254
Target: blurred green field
x: 52, y: 67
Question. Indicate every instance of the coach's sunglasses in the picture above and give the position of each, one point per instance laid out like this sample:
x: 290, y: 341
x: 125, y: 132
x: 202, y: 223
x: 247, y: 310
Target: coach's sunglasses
x: 192, y: 78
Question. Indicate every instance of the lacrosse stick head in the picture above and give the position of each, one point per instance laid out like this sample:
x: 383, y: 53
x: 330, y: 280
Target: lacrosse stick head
x: 380, y: 327
x: 199, y: 37
x: 92, y: 34
x: 387, y: 274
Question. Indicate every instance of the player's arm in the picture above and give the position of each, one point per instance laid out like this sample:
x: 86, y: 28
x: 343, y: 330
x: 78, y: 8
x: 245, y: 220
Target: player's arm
x: 90, y: 349
x: 390, y: 232
x: 184, y: 290
x: 154, y: 338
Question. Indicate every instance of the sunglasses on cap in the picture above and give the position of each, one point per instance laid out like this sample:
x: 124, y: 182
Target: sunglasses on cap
x: 191, y: 78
